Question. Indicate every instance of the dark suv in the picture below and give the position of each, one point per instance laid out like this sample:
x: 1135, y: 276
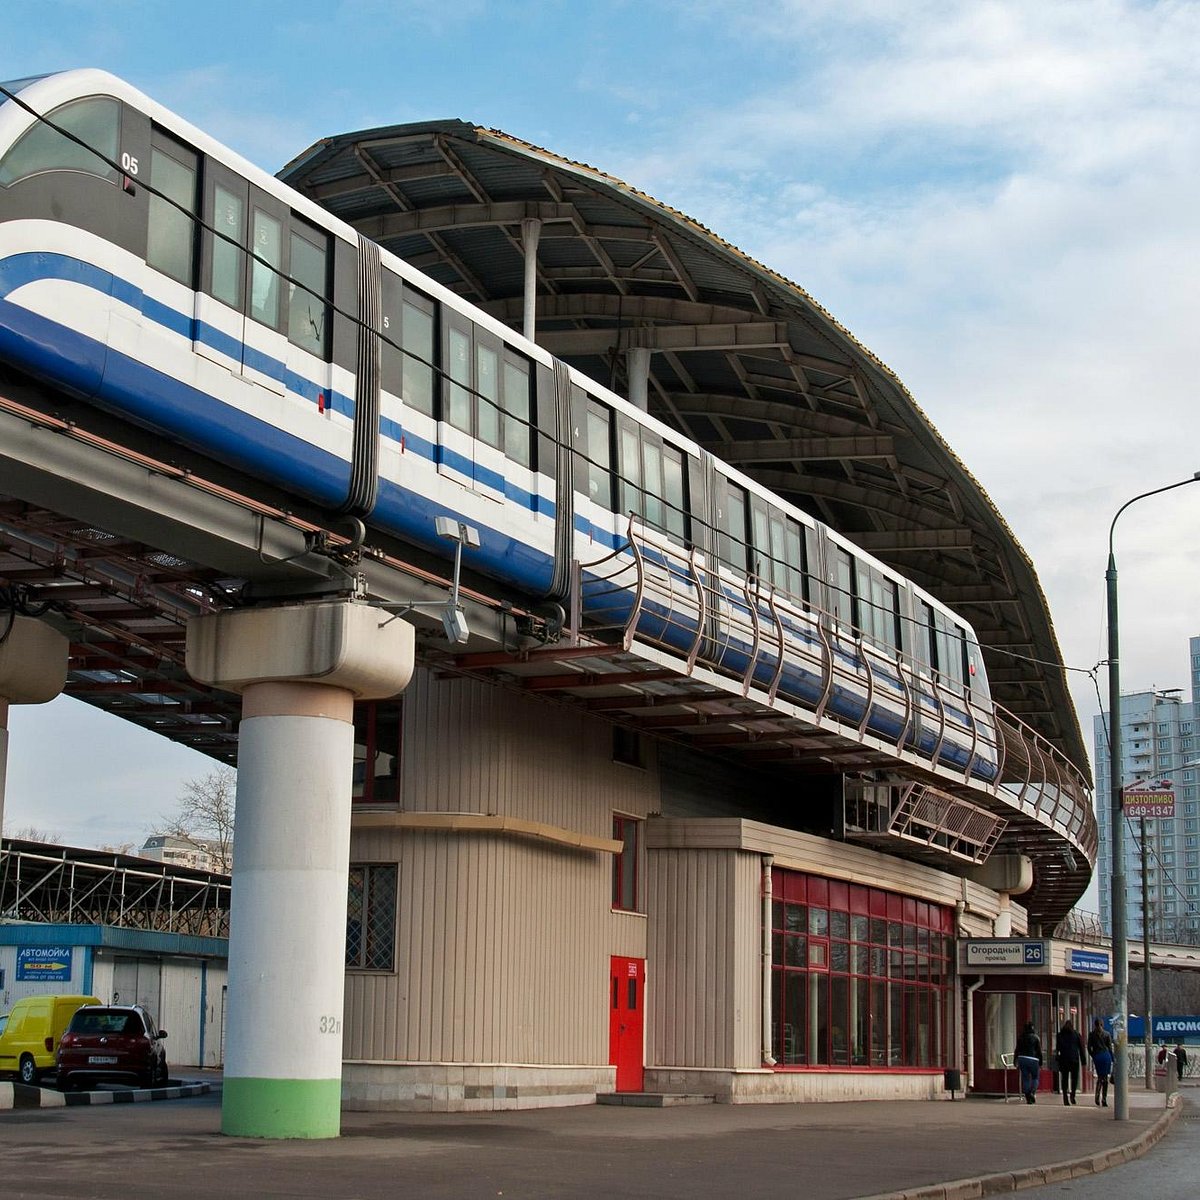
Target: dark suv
x: 111, y: 1041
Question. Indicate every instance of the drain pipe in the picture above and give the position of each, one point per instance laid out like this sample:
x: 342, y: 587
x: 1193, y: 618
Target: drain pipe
x: 768, y: 1057
x: 971, y: 1031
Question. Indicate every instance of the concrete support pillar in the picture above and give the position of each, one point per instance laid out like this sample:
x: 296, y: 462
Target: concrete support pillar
x: 637, y: 359
x: 1002, y: 926
x: 1007, y: 875
x: 33, y: 670
x: 299, y: 669
x: 531, y: 231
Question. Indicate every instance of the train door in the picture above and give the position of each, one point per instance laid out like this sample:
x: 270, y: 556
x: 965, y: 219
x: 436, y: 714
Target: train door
x: 264, y: 341
x: 627, y: 993
x: 456, y: 426
x: 307, y: 294
x: 219, y: 331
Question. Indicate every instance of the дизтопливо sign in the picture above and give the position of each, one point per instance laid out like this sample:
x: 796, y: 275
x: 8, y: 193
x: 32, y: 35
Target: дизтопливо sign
x: 1149, y: 798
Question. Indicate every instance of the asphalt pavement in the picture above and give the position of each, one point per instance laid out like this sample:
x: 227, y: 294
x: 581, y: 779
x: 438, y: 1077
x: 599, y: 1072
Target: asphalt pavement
x: 907, y: 1149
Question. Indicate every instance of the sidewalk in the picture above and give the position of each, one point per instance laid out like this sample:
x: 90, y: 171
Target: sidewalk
x: 908, y: 1150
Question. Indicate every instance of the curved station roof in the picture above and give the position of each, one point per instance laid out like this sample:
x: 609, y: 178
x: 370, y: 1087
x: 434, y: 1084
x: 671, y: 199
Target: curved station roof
x: 742, y: 360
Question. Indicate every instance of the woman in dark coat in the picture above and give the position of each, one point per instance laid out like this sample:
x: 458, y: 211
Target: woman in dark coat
x: 1100, y: 1048
x: 1028, y: 1054
x: 1069, y: 1047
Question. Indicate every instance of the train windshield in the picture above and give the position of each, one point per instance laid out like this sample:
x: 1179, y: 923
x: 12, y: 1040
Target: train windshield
x: 17, y: 85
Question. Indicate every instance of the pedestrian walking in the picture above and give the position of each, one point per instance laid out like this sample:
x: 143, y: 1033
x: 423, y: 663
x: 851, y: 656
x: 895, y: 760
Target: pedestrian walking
x: 1028, y: 1054
x: 1180, y: 1060
x: 1069, y: 1050
x: 1100, y: 1048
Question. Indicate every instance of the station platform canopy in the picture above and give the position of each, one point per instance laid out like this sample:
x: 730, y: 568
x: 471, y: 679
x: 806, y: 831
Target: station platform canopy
x: 742, y: 360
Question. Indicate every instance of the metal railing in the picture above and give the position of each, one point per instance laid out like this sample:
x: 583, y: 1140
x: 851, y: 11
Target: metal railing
x: 776, y: 648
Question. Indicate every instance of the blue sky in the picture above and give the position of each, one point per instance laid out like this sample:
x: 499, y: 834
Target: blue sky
x: 999, y: 199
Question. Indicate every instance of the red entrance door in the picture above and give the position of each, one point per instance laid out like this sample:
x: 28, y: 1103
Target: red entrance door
x: 627, y: 994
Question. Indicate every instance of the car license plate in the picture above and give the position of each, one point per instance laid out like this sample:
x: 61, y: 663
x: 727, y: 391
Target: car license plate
x: 101, y: 1058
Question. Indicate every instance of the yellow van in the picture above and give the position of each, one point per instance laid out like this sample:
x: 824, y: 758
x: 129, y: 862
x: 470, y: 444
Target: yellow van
x: 29, y: 1033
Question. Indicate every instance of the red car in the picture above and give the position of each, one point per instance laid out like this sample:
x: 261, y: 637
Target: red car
x: 112, y: 1041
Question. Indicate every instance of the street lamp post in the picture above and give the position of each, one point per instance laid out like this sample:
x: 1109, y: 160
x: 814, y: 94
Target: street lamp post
x: 1120, y: 934
x: 1148, y: 1031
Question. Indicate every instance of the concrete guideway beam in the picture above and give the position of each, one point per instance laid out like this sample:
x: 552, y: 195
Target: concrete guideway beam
x: 299, y: 669
x: 33, y: 670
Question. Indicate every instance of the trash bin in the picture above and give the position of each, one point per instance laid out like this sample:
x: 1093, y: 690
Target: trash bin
x: 953, y: 1082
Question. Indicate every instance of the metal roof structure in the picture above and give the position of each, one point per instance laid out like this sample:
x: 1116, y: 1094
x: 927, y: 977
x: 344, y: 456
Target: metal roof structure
x: 49, y: 884
x: 743, y: 361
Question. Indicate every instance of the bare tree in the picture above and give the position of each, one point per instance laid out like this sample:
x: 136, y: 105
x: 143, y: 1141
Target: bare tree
x: 31, y: 833
x: 203, y: 816
x: 117, y: 848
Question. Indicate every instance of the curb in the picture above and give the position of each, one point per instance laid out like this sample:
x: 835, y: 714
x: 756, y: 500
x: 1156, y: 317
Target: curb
x: 21, y: 1095
x: 1026, y: 1177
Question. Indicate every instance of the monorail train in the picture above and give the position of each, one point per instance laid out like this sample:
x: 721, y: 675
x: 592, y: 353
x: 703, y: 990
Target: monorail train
x: 157, y: 275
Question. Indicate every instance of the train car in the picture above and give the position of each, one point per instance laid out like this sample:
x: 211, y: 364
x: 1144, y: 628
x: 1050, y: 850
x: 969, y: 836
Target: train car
x: 148, y: 270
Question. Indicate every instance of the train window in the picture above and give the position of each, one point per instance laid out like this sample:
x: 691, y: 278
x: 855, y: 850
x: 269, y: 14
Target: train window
x: 652, y: 480
x: 487, y: 386
x: 229, y: 220
x: 778, y: 549
x: 926, y: 640
x: 951, y: 651
x: 171, y: 233
x: 880, y: 606
x: 266, y: 270
x: 731, y: 546
x: 842, y: 591
x: 518, y: 433
x: 673, y: 492
x: 96, y: 122
x: 409, y: 351
x: 308, y: 306
x: 599, y: 455
x: 488, y: 389
x: 458, y: 370
x: 416, y: 332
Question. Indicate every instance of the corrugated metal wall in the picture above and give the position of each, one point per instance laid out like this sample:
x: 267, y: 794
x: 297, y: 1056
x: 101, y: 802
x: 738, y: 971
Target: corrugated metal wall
x: 503, y: 942
x: 704, y: 957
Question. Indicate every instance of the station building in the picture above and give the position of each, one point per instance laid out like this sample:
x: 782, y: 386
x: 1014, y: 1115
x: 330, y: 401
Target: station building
x: 587, y: 867
x: 605, y: 885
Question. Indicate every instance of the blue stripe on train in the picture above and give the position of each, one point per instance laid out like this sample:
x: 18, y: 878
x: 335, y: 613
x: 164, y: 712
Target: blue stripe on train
x: 21, y: 269
x: 180, y: 411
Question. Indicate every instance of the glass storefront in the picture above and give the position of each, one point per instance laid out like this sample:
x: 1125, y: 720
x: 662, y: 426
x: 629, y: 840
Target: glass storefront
x: 861, y: 977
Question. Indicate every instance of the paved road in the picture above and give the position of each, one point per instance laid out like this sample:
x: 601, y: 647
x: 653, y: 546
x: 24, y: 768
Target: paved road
x: 714, y: 1152
x: 1170, y: 1171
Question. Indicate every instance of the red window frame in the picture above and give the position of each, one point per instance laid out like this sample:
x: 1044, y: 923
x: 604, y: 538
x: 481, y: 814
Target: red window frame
x: 888, y: 970
x: 378, y: 738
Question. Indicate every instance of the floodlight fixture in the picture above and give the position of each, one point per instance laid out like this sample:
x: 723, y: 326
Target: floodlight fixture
x: 454, y: 620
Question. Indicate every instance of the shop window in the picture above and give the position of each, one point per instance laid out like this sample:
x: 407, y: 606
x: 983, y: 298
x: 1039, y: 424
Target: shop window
x: 377, y: 743
x: 371, y: 917
x: 860, y: 976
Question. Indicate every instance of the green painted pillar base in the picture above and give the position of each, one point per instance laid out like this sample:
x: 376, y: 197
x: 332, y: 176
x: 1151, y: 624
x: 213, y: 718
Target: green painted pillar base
x: 281, y: 1108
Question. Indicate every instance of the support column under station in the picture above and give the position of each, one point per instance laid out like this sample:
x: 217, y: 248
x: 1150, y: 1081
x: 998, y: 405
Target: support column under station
x: 299, y: 669
x: 33, y: 670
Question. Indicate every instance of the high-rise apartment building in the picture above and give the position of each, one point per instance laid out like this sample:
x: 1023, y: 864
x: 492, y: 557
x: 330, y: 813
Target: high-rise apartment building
x: 1160, y: 739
